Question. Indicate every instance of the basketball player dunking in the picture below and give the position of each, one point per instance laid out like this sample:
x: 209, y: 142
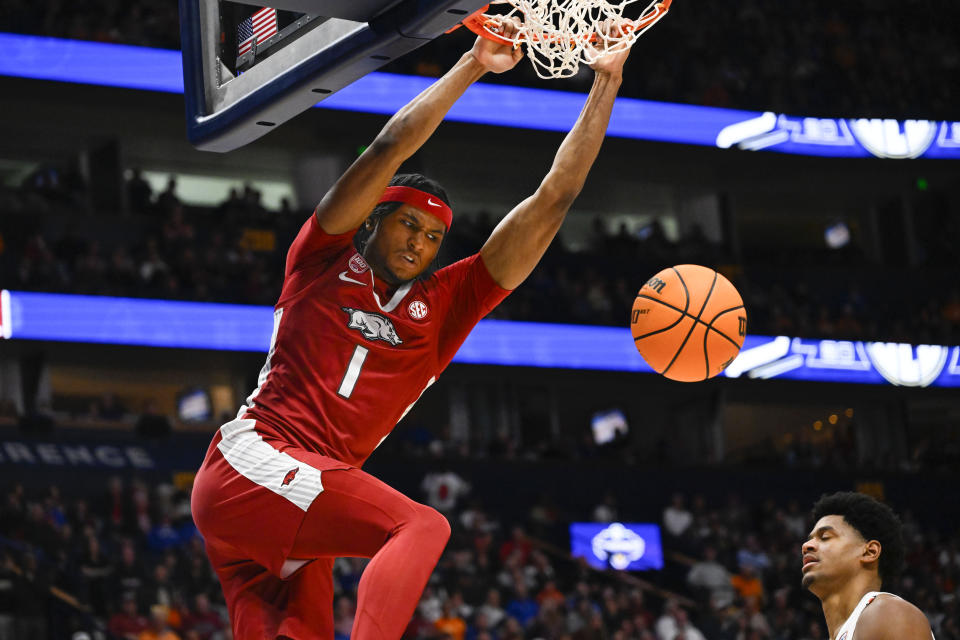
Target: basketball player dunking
x: 360, y: 330
x: 855, y: 547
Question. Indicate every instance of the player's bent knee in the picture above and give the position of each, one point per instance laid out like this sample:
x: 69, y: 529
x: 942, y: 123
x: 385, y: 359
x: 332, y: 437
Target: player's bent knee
x: 435, y: 525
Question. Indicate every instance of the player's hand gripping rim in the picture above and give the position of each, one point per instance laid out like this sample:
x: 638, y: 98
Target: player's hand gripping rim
x: 497, y: 57
x: 608, y: 52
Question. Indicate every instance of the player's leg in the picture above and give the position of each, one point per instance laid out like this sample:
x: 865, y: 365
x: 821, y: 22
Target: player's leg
x: 309, y: 607
x: 262, y: 606
x: 357, y: 515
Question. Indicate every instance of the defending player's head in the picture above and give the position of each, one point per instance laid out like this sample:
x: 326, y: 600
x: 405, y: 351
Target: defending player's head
x: 402, y: 236
x: 854, y: 538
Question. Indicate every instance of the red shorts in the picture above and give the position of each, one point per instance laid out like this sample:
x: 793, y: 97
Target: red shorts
x: 249, y: 501
x: 259, y: 503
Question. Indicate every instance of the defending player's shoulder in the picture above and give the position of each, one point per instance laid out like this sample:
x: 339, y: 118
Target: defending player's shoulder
x: 890, y: 618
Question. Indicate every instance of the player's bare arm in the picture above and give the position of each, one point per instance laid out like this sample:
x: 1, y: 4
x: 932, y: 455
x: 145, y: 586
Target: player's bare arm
x: 355, y: 194
x: 520, y: 240
x: 892, y: 619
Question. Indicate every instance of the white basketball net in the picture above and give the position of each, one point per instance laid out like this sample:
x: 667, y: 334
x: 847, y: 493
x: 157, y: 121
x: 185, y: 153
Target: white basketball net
x: 558, y: 33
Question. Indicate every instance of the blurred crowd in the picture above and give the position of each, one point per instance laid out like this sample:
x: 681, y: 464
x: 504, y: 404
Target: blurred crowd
x: 124, y: 561
x: 235, y: 253
x: 124, y: 557
x: 860, y: 58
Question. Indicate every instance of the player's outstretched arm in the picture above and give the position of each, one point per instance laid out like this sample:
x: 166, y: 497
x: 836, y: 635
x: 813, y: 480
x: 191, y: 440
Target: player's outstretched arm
x: 347, y: 204
x: 892, y: 619
x: 520, y: 240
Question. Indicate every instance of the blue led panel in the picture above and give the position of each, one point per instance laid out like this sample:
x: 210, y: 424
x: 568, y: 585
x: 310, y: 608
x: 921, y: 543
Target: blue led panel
x: 619, y: 546
x: 383, y: 93
x: 197, y: 325
x: 133, y: 321
x: 83, y: 62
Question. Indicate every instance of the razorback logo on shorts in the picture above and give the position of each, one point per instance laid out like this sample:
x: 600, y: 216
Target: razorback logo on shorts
x: 287, y: 479
x: 357, y: 264
x: 372, y: 326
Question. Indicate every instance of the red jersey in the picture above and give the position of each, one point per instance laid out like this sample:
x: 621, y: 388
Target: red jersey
x: 346, y: 361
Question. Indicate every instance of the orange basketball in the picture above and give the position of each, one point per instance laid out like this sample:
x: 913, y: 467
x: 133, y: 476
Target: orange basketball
x: 688, y: 322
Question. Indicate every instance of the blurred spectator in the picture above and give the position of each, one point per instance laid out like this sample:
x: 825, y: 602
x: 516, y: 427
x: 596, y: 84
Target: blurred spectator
x: 163, y: 536
x: 159, y: 628
x: 129, y: 575
x: 491, y: 609
x: 450, y: 623
x: 756, y: 621
x: 751, y: 555
x: 481, y: 627
x: 152, y: 423
x: 676, y: 518
x: 443, y: 489
x: 675, y: 624
x: 343, y: 617
x: 712, y: 578
x: 518, y: 544
x: 96, y: 569
x: 746, y: 582
x: 550, y: 593
x: 202, y: 620
x: 521, y: 606
x: 160, y: 589
x: 109, y: 407
x: 167, y: 200
x: 139, y: 193
x: 128, y: 623
x: 8, y: 611
x: 30, y: 587
x: 606, y: 511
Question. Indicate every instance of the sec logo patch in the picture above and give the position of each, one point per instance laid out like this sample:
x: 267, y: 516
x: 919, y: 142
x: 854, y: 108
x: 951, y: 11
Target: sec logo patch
x: 418, y: 310
x: 358, y: 264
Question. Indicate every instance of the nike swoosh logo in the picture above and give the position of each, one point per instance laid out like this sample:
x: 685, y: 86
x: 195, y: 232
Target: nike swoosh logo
x: 432, y: 203
x: 346, y: 278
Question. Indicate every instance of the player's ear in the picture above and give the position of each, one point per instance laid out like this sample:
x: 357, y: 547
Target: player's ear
x: 871, y: 551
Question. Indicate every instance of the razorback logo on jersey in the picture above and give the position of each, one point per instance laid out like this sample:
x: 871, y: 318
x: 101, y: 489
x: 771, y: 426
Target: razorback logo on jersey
x: 372, y: 326
x: 287, y: 479
x: 358, y: 264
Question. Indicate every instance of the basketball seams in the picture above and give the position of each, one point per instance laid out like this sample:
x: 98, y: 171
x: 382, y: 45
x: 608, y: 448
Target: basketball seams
x: 697, y: 319
x: 667, y: 328
x: 706, y: 336
x: 666, y: 304
x: 686, y: 292
x: 710, y: 326
x: 683, y: 312
x: 706, y: 354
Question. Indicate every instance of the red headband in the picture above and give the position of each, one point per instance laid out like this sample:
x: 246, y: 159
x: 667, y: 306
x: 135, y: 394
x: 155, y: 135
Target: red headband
x: 426, y: 202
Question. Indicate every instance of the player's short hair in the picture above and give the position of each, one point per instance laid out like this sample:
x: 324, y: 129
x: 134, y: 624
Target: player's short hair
x: 382, y: 210
x: 873, y: 520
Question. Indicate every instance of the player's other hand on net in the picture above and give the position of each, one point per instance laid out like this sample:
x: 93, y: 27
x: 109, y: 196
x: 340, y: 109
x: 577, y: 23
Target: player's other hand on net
x: 609, y: 50
x: 498, y: 57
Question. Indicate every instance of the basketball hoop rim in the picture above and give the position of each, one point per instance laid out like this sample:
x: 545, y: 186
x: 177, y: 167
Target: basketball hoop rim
x: 484, y: 25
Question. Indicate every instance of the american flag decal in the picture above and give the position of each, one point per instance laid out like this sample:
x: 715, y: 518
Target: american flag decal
x: 260, y: 25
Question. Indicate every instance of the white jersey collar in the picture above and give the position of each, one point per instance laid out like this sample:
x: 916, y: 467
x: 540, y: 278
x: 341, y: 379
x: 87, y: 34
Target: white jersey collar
x: 395, y: 299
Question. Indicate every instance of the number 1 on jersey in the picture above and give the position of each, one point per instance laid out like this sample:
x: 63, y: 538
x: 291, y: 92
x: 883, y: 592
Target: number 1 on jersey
x: 353, y: 371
